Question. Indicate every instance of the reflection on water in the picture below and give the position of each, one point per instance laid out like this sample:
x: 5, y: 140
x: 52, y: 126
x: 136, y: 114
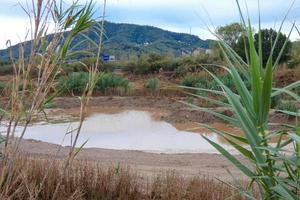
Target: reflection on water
x: 130, y: 130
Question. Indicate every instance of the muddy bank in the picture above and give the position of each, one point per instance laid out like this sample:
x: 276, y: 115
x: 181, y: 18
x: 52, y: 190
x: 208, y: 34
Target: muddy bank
x: 147, y: 164
x: 171, y: 110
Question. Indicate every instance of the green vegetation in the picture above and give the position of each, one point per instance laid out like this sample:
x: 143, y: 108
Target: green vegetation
x: 231, y: 33
x: 275, y: 173
x: 128, y: 40
x: 204, y: 81
x: 5, y: 68
x: 294, y: 56
x: 268, y: 37
x: 235, y: 36
x: 152, y: 84
x: 3, y: 86
x: 77, y: 82
x: 108, y: 82
x: 191, y: 80
x: 179, y: 66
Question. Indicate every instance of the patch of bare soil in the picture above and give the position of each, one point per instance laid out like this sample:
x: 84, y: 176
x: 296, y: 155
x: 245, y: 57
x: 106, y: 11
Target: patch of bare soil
x: 163, y: 108
x: 148, y: 164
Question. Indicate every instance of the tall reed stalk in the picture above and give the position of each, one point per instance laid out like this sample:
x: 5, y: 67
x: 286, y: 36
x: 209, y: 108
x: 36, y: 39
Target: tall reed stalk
x: 274, y: 167
x: 35, y: 76
x: 93, y: 71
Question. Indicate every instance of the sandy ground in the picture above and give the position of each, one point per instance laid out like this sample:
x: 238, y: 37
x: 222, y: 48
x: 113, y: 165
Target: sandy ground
x: 148, y: 164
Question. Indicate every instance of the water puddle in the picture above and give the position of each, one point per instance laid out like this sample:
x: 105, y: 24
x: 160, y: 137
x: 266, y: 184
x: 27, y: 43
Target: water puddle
x: 129, y: 130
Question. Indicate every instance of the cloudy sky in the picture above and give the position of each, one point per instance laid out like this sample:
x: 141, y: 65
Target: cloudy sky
x: 175, y: 15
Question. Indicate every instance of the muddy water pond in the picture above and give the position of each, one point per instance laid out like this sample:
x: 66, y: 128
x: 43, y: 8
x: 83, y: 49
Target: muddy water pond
x: 129, y: 130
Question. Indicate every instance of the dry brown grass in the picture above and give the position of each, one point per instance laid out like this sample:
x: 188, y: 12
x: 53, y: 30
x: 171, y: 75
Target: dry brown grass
x: 38, y: 179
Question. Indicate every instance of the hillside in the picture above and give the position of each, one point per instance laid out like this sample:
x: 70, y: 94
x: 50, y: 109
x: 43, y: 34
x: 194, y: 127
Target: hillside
x: 124, y: 40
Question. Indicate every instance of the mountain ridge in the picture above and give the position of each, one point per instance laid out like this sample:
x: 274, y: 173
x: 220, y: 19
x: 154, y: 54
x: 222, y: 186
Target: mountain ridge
x: 125, y: 39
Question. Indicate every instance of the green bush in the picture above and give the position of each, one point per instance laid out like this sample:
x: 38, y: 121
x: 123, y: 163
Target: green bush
x: 153, y: 84
x: 69, y: 68
x: 109, y: 82
x: 191, y: 80
x: 84, y: 63
x: 76, y: 82
x: 181, y: 66
x: 5, y: 68
x: 186, y: 65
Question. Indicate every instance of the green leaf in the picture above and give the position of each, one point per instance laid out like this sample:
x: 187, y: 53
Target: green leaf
x: 286, y: 88
x: 219, y: 115
x: 80, y: 148
x: 284, y: 192
x: 231, y: 158
x: 238, y: 138
x: 266, y: 93
x: 210, y: 100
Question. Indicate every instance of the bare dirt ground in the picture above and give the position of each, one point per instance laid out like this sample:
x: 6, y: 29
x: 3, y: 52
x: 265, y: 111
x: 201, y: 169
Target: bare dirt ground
x: 147, y: 164
x: 169, y: 109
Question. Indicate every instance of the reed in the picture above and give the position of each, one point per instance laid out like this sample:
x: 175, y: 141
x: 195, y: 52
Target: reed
x: 274, y: 167
x: 35, y: 78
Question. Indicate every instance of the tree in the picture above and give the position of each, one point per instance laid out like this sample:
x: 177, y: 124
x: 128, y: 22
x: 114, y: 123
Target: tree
x: 230, y: 33
x: 268, y: 37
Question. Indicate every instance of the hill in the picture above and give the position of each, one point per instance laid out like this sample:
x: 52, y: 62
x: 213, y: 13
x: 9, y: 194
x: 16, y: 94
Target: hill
x: 124, y: 40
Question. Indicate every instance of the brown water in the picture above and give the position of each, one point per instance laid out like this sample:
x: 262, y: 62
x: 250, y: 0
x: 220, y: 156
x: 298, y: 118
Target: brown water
x: 129, y: 130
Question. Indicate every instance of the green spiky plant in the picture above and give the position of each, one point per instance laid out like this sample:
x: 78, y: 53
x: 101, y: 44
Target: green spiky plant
x: 274, y: 167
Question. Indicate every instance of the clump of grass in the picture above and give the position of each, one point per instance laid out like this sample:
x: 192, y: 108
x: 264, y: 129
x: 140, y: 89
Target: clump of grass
x: 89, y: 180
x: 152, y: 84
x: 77, y: 83
x: 192, y: 80
x: 112, y: 83
x: 6, y: 68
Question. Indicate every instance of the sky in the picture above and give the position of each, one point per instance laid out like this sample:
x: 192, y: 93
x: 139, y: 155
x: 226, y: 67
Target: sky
x: 186, y: 16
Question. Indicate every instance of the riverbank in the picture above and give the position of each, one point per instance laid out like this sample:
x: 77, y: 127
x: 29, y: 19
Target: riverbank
x: 146, y: 164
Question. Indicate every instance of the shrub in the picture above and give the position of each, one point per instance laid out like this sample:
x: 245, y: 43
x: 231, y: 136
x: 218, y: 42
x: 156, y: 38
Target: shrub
x: 109, y: 82
x: 75, y: 82
x: 130, y: 66
x: 191, y: 80
x: 186, y: 65
x: 5, y: 68
x: 68, y: 68
x: 153, y: 84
